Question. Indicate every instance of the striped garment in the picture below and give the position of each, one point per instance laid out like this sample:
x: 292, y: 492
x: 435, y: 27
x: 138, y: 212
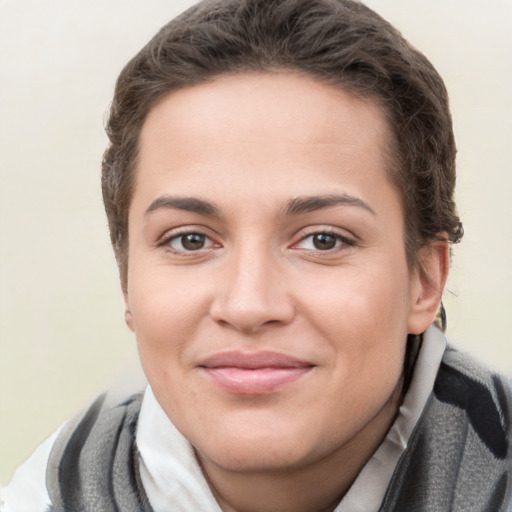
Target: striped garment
x: 458, y: 458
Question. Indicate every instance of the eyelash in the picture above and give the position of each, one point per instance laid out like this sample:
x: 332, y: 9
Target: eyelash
x: 341, y: 242
x: 176, y: 236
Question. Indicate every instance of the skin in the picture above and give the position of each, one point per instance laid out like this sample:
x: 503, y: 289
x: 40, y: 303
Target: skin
x: 252, y: 150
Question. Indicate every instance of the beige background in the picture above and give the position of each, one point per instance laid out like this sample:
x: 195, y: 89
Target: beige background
x: 62, y: 337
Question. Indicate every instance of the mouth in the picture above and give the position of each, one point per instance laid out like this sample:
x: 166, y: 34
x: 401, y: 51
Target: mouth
x: 257, y: 373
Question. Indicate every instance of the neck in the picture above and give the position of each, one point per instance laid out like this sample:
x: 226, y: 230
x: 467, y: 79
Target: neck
x: 312, y: 486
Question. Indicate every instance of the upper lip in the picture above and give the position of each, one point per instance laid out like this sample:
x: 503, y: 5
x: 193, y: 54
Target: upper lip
x: 253, y: 360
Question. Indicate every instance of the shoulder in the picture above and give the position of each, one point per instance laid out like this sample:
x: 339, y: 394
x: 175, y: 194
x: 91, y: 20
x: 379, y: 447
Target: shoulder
x: 95, y: 426
x: 459, y: 454
x: 475, y: 405
x: 82, y: 446
x: 484, y: 396
x: 94, y: 461
x: 26, y: 492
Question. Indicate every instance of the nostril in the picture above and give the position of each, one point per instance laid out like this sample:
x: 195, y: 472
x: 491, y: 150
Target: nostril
x: 251, y: 319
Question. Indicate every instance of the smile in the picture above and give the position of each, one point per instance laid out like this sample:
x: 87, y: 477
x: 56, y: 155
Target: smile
x: 253, y: 374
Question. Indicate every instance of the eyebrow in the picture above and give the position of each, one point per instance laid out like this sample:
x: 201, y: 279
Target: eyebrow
x: 189, y: 204
x: 295, y: 206
x: 313, y: 203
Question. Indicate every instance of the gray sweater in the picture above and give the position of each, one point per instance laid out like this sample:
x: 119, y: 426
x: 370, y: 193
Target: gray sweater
x: 458, y: 458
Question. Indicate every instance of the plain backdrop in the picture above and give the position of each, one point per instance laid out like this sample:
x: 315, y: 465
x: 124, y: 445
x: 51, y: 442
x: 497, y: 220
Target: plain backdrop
x: 62, y: 335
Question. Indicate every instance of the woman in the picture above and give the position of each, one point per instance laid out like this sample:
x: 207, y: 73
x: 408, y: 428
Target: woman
x: 279, y: 188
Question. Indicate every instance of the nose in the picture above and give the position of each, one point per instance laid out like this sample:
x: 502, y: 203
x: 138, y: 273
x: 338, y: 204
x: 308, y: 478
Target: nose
x: 252, y: 293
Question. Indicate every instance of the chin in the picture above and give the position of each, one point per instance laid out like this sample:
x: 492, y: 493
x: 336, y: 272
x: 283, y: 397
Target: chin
x: 254, y: 458
x: 260, y: 448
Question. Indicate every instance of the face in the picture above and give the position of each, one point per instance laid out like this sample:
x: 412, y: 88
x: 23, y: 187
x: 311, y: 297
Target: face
x: 268, y: 284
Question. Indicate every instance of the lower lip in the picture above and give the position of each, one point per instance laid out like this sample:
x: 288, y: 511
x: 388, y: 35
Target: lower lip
x: 258, y: 381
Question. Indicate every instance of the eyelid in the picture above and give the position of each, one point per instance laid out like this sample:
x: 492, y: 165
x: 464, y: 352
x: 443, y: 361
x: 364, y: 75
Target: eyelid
x: 346, y: 240
x: 172, y: 234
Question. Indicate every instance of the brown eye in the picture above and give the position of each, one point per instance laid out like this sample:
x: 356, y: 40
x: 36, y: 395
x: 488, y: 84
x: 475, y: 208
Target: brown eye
x: 188, y: 242
x: 192, y: 241
x: 324, y: 241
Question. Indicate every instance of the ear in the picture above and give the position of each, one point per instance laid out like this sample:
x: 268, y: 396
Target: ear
x: 428, y: 281
x: 128, y: 317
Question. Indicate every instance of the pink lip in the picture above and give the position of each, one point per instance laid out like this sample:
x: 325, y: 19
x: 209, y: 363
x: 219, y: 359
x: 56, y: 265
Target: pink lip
x: 254, y: 373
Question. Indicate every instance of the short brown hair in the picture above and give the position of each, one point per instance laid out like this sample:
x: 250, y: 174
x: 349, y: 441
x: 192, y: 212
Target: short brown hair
x: 340, y: 42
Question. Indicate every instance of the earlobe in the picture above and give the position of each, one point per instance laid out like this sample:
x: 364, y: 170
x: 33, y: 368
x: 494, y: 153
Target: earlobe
x: 429, y: 281
x: 128, y: 317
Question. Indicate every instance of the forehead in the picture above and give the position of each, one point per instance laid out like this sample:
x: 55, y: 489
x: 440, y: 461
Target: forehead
x: 284, y: 130
x: 300, y: 106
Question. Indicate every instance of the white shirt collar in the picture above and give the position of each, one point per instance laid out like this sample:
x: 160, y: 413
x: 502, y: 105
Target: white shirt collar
x: 368, y: 490
x: 173, y: 479
x: 169, y: 470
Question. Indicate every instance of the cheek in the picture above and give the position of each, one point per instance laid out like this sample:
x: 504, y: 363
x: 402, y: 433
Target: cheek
x: 371, y: 298
x: 363, y: 316
x: 165, y: 318
x: 166, y: 311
